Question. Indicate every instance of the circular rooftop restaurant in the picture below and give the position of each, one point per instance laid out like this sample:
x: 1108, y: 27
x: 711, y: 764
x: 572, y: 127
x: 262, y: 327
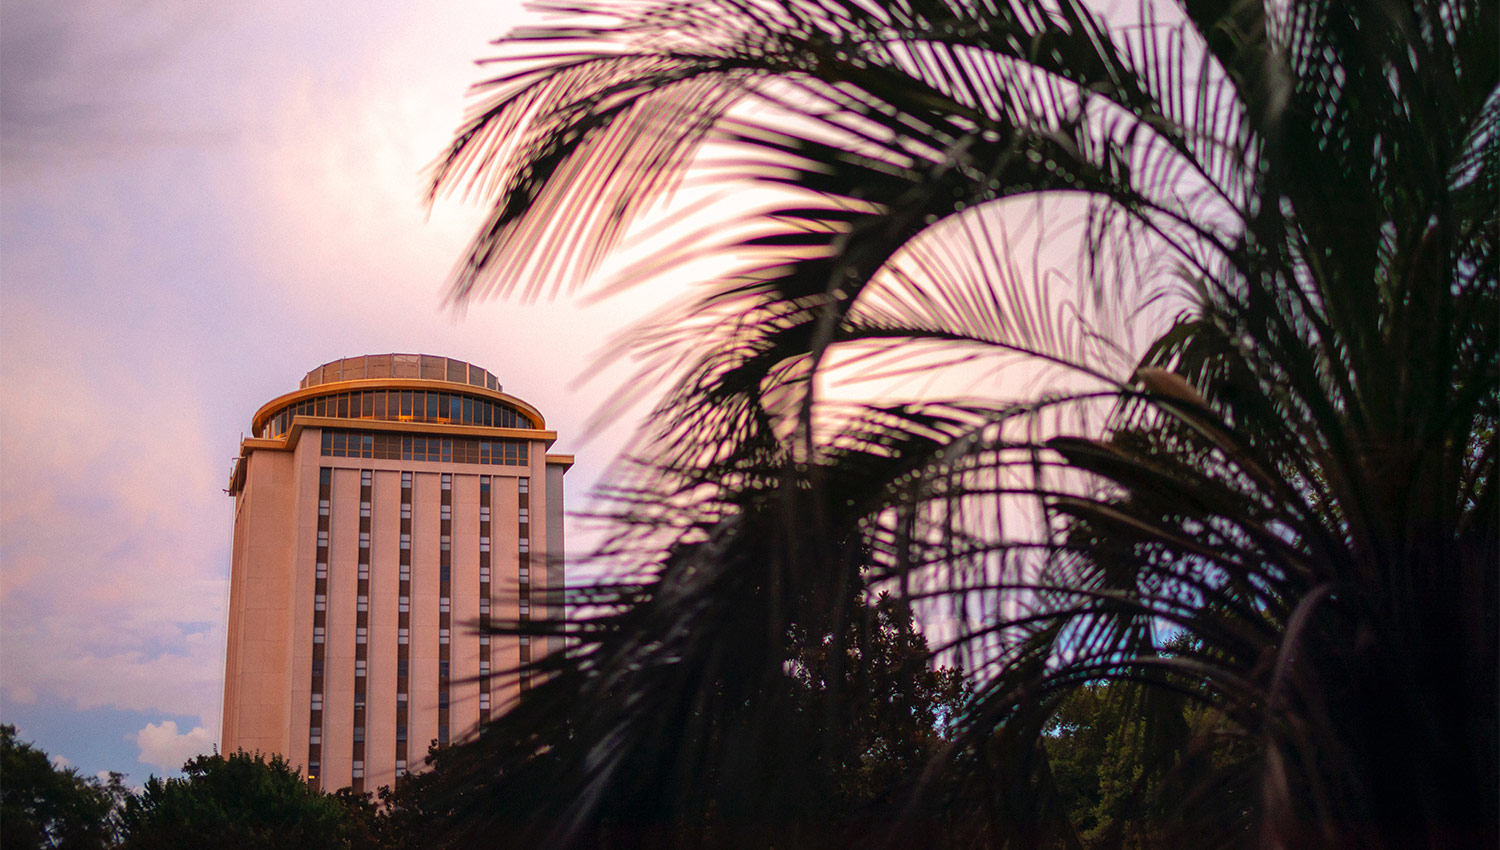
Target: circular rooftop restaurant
x: 398, y: 388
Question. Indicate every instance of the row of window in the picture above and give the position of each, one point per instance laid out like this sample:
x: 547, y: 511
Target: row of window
x: 403, y: 633
x: 401, y: 406
x: 385, y: 446
x: 357, y: 441
x: 357, y: 771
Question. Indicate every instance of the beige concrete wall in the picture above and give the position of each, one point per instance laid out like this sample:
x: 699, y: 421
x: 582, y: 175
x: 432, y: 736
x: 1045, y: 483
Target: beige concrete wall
x: 423, y: 728
x: 258, y: 656
x: 303, y: 559
x: 555, y: 554
x: 385, y: 591
x: 338, y: 652
x: 503, y: 588
x: 463, y: 690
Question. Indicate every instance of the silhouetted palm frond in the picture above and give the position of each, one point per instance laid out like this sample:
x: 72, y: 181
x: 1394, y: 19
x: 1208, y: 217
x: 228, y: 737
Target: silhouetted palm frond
x: 981, y: 209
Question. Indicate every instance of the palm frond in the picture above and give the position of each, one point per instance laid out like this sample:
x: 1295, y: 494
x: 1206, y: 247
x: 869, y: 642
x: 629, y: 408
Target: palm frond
x: 1293, y: 204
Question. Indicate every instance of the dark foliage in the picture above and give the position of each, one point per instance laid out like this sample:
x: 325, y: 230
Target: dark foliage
x: 245, y: 802
x: 1295, y: 203
x: 44, y: 806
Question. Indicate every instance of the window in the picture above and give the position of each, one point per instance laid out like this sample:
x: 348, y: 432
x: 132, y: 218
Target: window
x: 401, y: 696
x: 442, y: 636
x: 317, y: 666
x: 364, y: 573
x: 406, y: 572
x: 312, y: 770
x: 320, y: 602
x: 442, y: 733
x: 445, y: 542
x: 442, y: 699
x: 525, y: 545
x: 526, y: 640
x: 362, y: 604
x: 446, y: 512
x: 484, y: 640
x: 359, y: 734
x: 484, y: 544
x: 406, y: 510
x: 400, y: 767
x: 523, y: 485
x: 484, y: 573
x: 364, y: 508
x: 524, y: 515
x: 322, y: 570
x: 525, y: 607
x: 359, y: 667
x: 317, y: 702
x: 322, y: 539
x: 484, y: 513
x: 406, y: 541
x: 447, y: 481
x: 406, y: 480
x: 445, y: 604
x: 403, y: 636
x: 524, y: 574
x: 400, y: 732
x: 484, y: 605
x: 445, y: 573
x: 364, y: 540
x: 322, y: 507
x: 484, y: 702
x: 315, y: 735
x: 361, y: 635
x: 364, y: 479
x: 359, y: 770
x: 403, y: 604
x: 318, y: 634
x: 359, y: 702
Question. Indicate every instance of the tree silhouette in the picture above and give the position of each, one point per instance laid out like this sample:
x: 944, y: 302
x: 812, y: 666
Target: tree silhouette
x: 244, y: 801
x: 1293, y: 203
x: 46, y: 806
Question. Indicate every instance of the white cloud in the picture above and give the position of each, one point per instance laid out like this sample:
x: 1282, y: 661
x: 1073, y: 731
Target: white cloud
x: 154, y: 301
x: 61, y: 762
x: 164, y: 747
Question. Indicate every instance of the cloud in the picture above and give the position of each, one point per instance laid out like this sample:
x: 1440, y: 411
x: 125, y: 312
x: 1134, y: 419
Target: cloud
x: 163, y: 278
x: 53, y: 55
x: 114, y: 528
x: 61, y: 762
x: 164, y: 747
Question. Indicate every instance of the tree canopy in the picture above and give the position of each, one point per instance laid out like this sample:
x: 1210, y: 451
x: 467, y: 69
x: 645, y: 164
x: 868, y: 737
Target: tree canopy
x: 42, y: 805
x: 245, y: 801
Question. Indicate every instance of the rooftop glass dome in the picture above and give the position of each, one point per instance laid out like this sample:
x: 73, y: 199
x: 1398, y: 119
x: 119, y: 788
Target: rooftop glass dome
x: 422, y: 366
x: 399, y: 388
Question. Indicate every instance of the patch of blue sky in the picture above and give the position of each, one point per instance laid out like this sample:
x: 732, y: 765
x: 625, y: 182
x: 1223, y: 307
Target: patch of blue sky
x: 91, y: 740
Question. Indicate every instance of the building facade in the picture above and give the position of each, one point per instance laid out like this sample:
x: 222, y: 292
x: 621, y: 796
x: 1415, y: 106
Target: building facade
x: 385, y: 512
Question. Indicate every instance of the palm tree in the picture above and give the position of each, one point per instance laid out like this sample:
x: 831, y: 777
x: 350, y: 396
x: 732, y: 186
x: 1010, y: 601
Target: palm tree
x: 1294, y: 479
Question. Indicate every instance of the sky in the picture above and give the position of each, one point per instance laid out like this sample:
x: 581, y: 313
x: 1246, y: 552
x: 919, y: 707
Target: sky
x: 198, y: 204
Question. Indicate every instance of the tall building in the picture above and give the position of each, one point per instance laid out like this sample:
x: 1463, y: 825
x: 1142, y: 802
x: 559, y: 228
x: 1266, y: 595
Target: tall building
x: 383, y: 510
